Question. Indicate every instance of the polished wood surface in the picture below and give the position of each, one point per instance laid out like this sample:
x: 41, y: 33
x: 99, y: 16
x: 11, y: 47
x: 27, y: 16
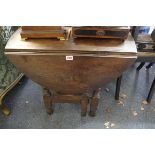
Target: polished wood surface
x: 145, y: 57
x: 74, y: 46
x: 118, y: 32
x: 28, y: 32
x: 41, y: 28
x: 95, y: 62
x: 82, y: 74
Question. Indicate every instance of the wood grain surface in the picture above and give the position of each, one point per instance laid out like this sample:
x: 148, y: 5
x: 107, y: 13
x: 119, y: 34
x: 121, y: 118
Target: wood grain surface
x: 94, y: 63
x: 104, y: 46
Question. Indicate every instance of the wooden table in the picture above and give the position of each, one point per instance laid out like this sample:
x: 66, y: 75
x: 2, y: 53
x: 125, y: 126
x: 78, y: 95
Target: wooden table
x: 73, y: 70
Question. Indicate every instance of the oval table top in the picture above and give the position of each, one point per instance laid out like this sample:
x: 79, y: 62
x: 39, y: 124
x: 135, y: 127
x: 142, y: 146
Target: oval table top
x: 96, y: 61
x: 74, y: 46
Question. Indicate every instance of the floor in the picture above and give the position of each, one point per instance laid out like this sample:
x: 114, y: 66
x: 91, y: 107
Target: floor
x: 28, y: 112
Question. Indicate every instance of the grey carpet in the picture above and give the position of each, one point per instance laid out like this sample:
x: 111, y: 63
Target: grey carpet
x: 27, y: 109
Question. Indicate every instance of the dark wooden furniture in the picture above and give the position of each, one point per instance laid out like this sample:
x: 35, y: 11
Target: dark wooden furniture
x: 145, y: 43
x: 71, y: 70
x: 148, y: 57
x: 58, y: 32
x: 117, y: 32
x: 146, y: 49
x: 142, y: 57
x: 146, y: 53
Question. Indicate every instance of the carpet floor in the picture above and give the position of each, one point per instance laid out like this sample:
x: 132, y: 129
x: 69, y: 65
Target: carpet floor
x: 28, y: 111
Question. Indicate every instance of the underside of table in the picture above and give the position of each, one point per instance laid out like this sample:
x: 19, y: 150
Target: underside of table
x: 83, y: 99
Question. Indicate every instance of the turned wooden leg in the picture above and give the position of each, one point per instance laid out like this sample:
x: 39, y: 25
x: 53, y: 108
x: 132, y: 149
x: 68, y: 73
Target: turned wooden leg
x: 47, y: 101
x: 94, y: 103
x: 84, y: 104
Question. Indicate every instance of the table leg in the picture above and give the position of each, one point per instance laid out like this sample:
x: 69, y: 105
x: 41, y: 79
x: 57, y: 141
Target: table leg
x: 118, y: 85
x: 84, y: 105
x: 94, y: 102
x: 47, y: 101
x: 149, y: 65
x: 152, y: 89
x: 140, y: 66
